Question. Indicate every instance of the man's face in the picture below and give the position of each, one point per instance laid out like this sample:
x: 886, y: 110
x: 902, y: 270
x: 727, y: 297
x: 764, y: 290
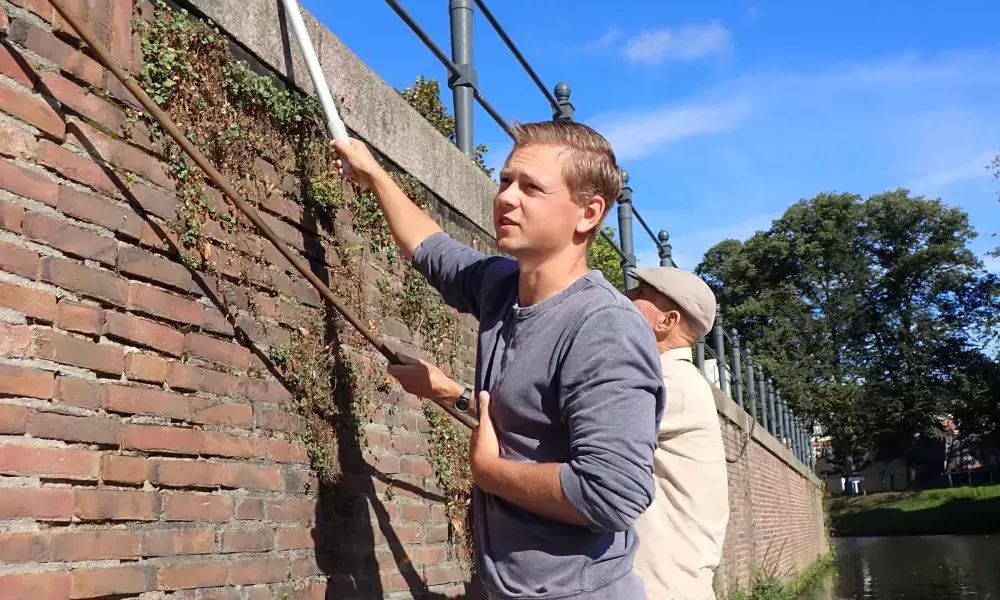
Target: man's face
x: 534, y: 212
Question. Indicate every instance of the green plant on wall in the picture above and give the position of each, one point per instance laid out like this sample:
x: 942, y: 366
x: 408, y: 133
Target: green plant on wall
x: 424, y: 95
x: 240, y: 120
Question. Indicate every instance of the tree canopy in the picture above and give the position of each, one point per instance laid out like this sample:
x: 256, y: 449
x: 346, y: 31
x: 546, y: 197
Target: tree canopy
x: 871, y: 314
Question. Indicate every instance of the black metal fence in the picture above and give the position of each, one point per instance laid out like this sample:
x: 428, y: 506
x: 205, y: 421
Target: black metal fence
x: 741, y: 379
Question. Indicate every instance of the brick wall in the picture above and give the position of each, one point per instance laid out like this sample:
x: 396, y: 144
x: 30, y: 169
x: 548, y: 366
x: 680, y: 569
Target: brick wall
x: 776, y: 521
x: 148, y: 443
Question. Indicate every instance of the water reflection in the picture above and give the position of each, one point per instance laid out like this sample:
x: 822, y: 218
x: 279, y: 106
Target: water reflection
x: 915, y: 568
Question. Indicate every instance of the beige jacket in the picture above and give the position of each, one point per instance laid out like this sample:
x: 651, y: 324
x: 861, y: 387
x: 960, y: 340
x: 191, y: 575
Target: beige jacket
x: 681, y: 534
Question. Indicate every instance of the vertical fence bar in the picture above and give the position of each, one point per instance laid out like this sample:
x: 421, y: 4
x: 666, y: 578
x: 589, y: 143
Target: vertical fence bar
x: 564, y: 108
x: 797, y: 437
x: 774, y: 409
x: 737, y: 367
x: 751, y: 388
x: 699, y: 355
x: 625, y: 232
x: 719, y: 337
x: 460, y: 14
x: 762, y: 395
x: 665, y: 250
x: 784, y: 415
x: 780, y: 412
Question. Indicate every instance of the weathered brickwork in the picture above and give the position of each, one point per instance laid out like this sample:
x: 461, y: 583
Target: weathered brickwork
x: 776, y: 522
x: 148, y: 444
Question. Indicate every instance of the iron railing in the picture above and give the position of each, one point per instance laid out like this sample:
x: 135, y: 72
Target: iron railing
x: 740, y: 378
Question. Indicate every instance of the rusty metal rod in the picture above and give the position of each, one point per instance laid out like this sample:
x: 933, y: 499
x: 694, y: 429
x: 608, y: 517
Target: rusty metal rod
x: 223, y: 183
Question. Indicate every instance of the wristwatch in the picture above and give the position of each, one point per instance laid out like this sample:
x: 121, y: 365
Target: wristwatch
x: 464, y: 400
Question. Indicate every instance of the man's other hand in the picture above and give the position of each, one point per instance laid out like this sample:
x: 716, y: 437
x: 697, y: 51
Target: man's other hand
x: 423, y: 379
x: 363, y: 166
x: 484, y: 448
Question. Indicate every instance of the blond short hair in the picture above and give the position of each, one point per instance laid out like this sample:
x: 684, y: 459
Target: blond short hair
x: 590, y: 170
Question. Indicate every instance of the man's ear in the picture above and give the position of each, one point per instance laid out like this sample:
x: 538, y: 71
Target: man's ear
x: 593, y: 213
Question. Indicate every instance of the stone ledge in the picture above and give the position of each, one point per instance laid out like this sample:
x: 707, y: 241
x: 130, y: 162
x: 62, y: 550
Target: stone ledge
x: 372, y: 109
x: 739, y: 417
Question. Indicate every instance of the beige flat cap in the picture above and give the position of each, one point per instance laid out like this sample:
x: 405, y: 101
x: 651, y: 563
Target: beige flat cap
x: 687, y: 290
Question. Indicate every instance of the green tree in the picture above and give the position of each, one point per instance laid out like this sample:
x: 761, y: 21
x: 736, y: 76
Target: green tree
x: 852, y: 305
x: 602, y: 256
x: 425, y: 96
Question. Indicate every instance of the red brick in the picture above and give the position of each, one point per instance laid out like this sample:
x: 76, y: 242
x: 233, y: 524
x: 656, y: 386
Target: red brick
x: 300, y: 482
x: 70, y: 428
x: 249, y: 572
x: 145, y: 367
x: 31, y: 109
x: 171, y: 542
x: 295, y: 538
x: 19, y: 68
x: 168, y: 440
x: 18, y: 381
x: 281, y: 451
x: 88, y: 282
x: 252, y: 477
x: 189, y: 377
x: 11, y: 216
x: 303, y: 511
x: 220, y: 444
x: 71, y: 240
x: 92, y: 14
x: 123, y: 469
x: 277, y: 420
x: 13, y: 419
x: 19, y: 261
x: 82, y: 102
x: 151, y: 267
x: 197, y: 507
x: 78, y: 392
x: 99, y: 211
x: 15, y: 340
x: 120, y: 30
x: 24, y: 547
x: 18, y: 142
x: 114, y: 505
x: 48, y: 46
x: 67, y: 350
x: 225, y: 414
x: 247, y: 540
x: 94, y: 545
x: 185, y: 473
x: 143, y: 332
x: 155, y: 201
x: 218, y: 351
x: 33, y: 303
x: 152, y: 301
x: 416, y: 512
x: 265, y: 391
x: 41, y: 8
x: 159, y: 237
x: 47, y: 503
x: 28, y: 184
x: 186, y: 576
x: 250, y: 509
x: 76, y: 168
x: 34, y: 586
x: 93, y: 583
x: 416, y: 466
x: 118, y: 153
x: 80, y: 318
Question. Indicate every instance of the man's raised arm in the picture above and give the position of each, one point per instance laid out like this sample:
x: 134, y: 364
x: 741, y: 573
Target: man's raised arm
x: 409, y: 225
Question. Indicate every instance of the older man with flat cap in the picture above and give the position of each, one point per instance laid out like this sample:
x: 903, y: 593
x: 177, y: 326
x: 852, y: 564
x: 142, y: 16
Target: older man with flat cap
x: 682, y: 532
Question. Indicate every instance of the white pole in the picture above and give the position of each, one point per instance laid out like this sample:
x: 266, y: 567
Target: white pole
x: 333, y: 122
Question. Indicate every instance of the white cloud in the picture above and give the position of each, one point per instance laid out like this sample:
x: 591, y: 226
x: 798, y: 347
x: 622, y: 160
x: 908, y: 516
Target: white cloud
x: 640, y: 133
x: 682, y: 43
x: 974, y: 168
x: 992, y: 263
x: 605, y: 42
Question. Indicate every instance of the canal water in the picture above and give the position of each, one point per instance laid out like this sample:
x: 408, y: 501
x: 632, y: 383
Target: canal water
x: 942, y: 567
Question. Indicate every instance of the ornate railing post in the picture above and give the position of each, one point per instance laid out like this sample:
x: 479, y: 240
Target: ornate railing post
x: 665, y: 250
x: 751, y: 388
x: 462, y: 84
x: 719, y: 338
x: 737, y: 367
x: 625, y: 232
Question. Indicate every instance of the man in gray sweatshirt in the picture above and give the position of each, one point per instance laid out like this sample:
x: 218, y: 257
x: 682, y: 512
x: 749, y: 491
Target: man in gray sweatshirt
x: 567, y: 372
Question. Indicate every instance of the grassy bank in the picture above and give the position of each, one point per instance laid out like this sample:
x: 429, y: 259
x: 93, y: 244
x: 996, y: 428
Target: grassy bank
x: 959, y: 510
x: 766, y: 588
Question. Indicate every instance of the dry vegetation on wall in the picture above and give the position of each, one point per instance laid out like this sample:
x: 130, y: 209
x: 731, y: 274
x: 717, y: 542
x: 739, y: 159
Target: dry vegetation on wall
x: 270, y: 143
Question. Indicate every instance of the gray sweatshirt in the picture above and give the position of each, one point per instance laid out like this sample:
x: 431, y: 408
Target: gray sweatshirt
x: 575, y: 379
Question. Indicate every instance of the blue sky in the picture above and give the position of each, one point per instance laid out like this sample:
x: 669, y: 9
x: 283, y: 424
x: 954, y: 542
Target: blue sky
x: 726, y: 113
